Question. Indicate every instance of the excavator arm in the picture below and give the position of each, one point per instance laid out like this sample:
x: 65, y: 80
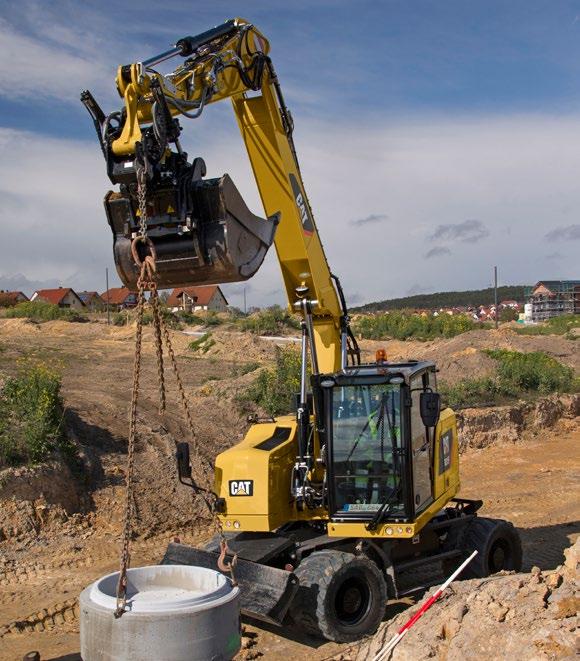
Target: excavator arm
x: 202, y: 230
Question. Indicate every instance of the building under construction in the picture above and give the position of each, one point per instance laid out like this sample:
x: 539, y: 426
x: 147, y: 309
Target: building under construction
x: 552, y: 298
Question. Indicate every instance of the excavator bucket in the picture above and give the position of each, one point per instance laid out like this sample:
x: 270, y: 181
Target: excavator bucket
x: 265, y: 592
x: 202, y: 234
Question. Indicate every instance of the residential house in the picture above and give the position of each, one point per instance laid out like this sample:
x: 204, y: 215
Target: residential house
x: 514, y: 305
x: 193, y: 299
x: 552, y: 298
x: 92, y: 301
x: 64, y: 297
x: 119, y: 298
x: 10, y: 298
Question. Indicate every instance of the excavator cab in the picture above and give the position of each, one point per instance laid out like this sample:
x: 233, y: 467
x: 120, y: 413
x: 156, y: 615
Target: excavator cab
x: 365, y: 450
x: 380, y: 422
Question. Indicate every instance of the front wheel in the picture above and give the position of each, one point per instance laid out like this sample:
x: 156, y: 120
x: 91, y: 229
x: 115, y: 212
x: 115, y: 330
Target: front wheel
x: 341, y: 597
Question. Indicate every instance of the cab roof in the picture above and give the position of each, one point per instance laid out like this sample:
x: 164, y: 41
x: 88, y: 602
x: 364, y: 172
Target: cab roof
x: 407, y: 370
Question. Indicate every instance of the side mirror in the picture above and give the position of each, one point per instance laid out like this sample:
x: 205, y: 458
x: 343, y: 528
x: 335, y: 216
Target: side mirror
x: 183, y: 463
x: 430, y: 405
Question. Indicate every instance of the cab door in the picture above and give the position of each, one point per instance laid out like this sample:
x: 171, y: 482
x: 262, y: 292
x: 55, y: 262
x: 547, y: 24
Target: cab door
x: 421, y: 450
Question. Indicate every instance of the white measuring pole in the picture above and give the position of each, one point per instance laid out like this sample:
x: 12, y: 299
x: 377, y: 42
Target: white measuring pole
x: 381, y: 654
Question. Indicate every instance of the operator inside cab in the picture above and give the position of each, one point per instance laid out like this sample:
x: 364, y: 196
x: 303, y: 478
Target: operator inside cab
x: 367, y: 435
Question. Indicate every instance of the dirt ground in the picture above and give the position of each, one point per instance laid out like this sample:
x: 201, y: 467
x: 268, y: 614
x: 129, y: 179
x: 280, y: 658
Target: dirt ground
x: 54, y: 544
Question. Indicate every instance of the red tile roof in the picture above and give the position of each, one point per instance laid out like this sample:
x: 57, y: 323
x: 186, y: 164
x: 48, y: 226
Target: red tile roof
x: 200, y: 295
x: 90, y: 297
x: 11, y: 297
x: 54, y: 296
x: 116, y: 295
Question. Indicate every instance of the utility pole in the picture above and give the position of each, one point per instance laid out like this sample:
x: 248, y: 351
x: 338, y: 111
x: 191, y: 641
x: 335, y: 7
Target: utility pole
x: 495, y: 296
x: 108, y: 309
x: 245, y: 311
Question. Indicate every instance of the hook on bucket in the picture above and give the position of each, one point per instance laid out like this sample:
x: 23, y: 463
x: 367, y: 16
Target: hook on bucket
x: 227, y: 567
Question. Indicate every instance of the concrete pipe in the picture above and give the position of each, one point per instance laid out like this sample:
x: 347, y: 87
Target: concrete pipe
x: 174, y: 613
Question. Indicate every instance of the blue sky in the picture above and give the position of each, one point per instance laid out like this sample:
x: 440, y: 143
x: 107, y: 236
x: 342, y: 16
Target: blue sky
x: 421, y: 116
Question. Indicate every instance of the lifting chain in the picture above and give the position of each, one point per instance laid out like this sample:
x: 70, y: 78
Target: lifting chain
x: 146, y: 281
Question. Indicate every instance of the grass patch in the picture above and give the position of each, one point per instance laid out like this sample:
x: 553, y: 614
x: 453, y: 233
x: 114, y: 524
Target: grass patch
x: 189, y: 319
x: 275, y: 387
x: 31, y: 417
x: 119, y: 319
x: 517, y: 375
x: 40, y: 311
x: 212, y: 319
x: 203, y: 344
x: 171, y: 320
x: 270, y: 321
x: 532, y: 372
x: 244, y: 368
x: 562, y: 325
x: 405, y: 326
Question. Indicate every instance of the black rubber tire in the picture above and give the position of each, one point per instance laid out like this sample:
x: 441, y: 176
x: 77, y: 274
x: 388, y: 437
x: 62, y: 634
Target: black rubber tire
x: 498, y: 544
x: 341, y: 596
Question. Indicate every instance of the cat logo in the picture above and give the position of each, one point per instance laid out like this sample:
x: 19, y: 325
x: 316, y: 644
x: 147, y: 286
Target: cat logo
x: 445, y: 443
x: 305, y: 217
x: 241, y: 487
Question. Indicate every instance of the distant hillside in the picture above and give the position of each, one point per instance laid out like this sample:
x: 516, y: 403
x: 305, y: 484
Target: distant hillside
x: 447, y: 299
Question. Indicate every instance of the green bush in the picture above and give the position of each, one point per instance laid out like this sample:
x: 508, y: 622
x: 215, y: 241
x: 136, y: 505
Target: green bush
x: 404, y: 326
x: 171, y: 319
x: 189, y: 318
x: 508, y: 314
x: 517, y: 374
x: 119, y: 319
x: 203, y: 344
x: 274, y: 388
x: 212, y: 319
x: 40, y: 311
x: 270, y: 321
x: 31, y: 417
x: 244, y: 368
x: 561, y: 325
x: 470, y: 392
x: 534, y: 371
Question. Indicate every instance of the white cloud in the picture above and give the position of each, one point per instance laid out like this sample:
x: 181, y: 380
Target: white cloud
x: 517, y: 173
x: 52, y: 221
x: 35, y: 69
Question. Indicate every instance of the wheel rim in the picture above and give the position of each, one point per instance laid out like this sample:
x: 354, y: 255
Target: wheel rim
x: 352, y: 601
x: 499, y: 556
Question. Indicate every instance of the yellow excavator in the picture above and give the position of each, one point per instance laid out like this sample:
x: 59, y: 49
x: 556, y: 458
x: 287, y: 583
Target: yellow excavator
x: 328, y: 508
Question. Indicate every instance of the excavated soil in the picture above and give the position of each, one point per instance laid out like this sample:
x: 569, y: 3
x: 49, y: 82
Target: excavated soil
x: 59, y: 529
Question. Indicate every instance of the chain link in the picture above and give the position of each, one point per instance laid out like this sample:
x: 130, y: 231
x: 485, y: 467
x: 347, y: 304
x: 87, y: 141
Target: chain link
x: 145, y: 281
x: 142, y: 198
x: 157, y: 321
x: 129, y: 504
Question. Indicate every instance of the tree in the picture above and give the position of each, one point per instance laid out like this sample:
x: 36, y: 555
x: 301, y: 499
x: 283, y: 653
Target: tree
x: 508, y: 314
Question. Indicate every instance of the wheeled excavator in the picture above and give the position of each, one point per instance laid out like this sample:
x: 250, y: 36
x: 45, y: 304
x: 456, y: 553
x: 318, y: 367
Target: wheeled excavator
x: 327, y: 508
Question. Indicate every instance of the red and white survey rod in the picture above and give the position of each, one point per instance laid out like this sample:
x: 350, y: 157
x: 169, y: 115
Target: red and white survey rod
x: 424, y: 608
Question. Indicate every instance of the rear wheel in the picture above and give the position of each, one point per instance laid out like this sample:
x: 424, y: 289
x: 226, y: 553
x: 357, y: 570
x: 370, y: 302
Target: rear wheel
x: 341, y: 597
x: 498, y: 545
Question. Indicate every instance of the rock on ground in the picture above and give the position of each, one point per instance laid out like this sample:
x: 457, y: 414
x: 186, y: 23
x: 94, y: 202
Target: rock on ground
x: 524, y: 617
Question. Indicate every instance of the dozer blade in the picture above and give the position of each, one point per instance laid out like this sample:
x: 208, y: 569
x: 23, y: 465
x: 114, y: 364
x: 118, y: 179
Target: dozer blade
x: 265, y: 592
x: 202, y: 235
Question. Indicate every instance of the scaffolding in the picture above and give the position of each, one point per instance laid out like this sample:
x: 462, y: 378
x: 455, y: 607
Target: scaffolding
x: 553, y: 298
